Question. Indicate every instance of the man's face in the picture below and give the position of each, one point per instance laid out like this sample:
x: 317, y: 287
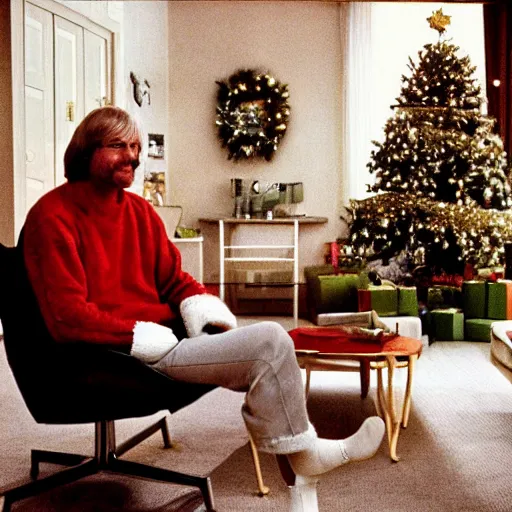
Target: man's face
x: 113, y: 164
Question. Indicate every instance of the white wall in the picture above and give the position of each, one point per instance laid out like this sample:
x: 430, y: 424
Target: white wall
x: 299, y: 43
x: 145, y: 48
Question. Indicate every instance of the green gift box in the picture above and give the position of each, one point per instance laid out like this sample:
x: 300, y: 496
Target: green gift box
x: 474, y: 299
x: 407, y: 301
x: 383, y: 299
x: 478, y: 329
x: 310, y: 273
x: 447, y: 324
x: 335, y: 293
x: 313, y: 287
x: 499, y: 300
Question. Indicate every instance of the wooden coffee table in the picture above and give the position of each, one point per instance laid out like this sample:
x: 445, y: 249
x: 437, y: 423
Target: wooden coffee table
x: 396, y: 352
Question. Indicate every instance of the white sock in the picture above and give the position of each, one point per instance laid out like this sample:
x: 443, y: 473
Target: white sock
x: 327, y: 454
x: 303, y: 494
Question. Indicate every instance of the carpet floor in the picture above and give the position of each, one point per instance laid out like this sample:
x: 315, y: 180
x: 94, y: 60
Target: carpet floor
x: 455, y: 454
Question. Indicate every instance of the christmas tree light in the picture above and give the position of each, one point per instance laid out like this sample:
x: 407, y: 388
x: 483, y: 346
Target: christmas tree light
x: 441, y: 171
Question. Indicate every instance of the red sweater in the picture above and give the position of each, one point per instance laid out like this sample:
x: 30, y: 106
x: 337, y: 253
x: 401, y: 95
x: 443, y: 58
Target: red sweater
x: 98, y: 265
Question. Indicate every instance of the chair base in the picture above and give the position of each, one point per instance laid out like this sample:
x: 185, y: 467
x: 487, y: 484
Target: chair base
x: 105, y: 460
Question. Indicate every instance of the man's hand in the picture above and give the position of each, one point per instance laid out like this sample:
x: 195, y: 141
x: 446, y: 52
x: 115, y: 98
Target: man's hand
x: 152, y: 341
x: 213, y: 328
x: 199, y: 311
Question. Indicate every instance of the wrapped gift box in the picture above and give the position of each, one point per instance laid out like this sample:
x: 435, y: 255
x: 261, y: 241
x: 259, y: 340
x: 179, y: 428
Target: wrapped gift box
x: 310, y: 273
x: 383, y: 299
x: 407, y: 301
x: 499, y: 300
x: 409, y: 326
x: 478, y: 329
x: 337, y: 293
x: 474, y: 299
x: 447, y: 324
x: 329, y: 292
x: 440, y: 297
x: 313, y: 287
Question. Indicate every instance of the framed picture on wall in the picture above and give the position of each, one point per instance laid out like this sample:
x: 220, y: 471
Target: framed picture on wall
x: 155, y: 145
x: 154, y: 188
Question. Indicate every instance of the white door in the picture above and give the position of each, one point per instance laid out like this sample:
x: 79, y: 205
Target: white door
x: 39, y: 135
x: 67, y: 74
x: 96, y: 75
x: 69, y: 87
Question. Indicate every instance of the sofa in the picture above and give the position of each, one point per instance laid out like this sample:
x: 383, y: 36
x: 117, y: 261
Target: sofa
x: 501, y: 347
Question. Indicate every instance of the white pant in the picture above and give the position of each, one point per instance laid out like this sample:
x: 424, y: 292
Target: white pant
x: 259, y: 360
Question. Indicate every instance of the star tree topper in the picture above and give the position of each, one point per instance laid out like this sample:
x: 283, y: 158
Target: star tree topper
x: 438, y: 21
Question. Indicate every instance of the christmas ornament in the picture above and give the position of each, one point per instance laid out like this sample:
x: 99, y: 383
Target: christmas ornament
x: 439, y: 21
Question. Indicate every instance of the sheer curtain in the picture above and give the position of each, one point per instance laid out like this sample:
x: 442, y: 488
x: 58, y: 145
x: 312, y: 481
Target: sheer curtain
x: 377, y: 40
x: 357, y: 87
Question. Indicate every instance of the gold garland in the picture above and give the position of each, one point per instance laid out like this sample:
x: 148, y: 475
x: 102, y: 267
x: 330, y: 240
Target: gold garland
x: 392, y: 222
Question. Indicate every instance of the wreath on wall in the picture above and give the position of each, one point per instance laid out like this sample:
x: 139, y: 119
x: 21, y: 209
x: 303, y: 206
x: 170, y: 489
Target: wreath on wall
x: 252, y: 114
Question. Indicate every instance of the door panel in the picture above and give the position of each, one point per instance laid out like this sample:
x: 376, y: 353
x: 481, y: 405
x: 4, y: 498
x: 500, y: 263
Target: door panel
x: 37, y: 34
x: 69, y: 88
x: 36, y: 156
x: 39, y: 136
x: 95, y: 71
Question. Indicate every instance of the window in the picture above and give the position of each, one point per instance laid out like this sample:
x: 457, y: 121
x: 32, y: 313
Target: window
x: 379, y: 38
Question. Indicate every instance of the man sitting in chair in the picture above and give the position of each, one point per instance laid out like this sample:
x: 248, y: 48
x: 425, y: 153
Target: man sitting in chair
x: 104, y: 272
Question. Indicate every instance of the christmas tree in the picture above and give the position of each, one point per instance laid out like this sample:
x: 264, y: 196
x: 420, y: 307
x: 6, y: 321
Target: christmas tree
x: 441, y: 172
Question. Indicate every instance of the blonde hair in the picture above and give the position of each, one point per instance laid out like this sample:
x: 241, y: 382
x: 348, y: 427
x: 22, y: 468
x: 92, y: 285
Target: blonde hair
x: 97, y: 128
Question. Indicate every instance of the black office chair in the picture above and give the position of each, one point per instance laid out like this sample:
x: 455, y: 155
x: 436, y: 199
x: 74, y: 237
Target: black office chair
x: 82, y: 383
